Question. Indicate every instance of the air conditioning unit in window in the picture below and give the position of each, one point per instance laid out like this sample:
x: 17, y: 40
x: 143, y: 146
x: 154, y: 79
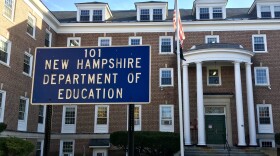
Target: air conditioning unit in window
x: 167, y: 122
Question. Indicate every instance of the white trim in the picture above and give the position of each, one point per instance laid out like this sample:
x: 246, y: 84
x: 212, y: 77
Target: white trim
x: 267, y: 140
x: 41, y: 147
x: 271, y: 5
x: 33, y: 26
x: 41, y: 126
x: 171, y: 44
x: 22, y: 124
x: 172, y: 77
x: 151, y: 7
x: 13, y: 11
x: 166, y: 128
x: 100, y: 150
x: 104, y: 38
x: 68, y: 128
x: 267, y: 76
x: 98, y: 128
x: 219, y: 72
x: 136, y: 127
x: 265, y: 128
x: 61, y: 147
x: 73, y: 38
x: 265, y: 43
x: 3, y: 102
x: 9, y: 44
x: 212, y: 36
x: 134, y: 37
x: 30, y: 64
x: 210, y: 7
x: 50, y: 37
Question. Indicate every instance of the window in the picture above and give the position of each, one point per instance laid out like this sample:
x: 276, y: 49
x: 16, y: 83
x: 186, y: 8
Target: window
x: 27, y: 64
x: 213, y: 76
x: 97, y: 15
x: 69, y: 119
x: 166, y: 77
x: 261, y: 76
x: 84, y: 17
x: 166, y: 45
x: 9, y: 9
x: 259, y: 43
x: 5, y: 51
x: 217, y: 13
x: 166, y: 118
x: 2, y: 104
x: 265, y: 123
x: 23, y: 113
x: 157, y: 14
x: 101, y: 119
x: 144, y: 15
x: 73, y: 41
x: 41, y: 118
x: 204, y: 13
x: 31, y: 23
x: 100, y: 152
x: 267, y: 143
x: 277, y: 11
x: 48, y: 39
x: 104, y: 41
x: 137, y: 117
x: 135, y: 41
x: 212, y: 39
x: 265, y: 12
x: 67, y: 147
x: 39, y: 148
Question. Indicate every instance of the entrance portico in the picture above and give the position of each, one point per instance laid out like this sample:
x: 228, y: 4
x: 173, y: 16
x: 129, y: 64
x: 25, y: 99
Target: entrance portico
x: 231, y: 53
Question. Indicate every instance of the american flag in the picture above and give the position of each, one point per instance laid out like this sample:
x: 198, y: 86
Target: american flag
x: 175, y: 18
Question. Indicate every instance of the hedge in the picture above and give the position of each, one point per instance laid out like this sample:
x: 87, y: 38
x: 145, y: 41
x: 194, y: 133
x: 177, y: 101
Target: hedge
x: 277, y: 138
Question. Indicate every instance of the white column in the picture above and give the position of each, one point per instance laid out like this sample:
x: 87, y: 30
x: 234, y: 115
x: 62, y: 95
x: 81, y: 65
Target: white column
x: 186, y: 107
x: 239, y: 105
x: 200, y: 112
x: 250, y: 104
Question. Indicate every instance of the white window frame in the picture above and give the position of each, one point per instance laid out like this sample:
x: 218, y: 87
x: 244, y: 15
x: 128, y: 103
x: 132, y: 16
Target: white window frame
x: 172, y: 77
x: 68, y: 128
x: 219, y: 74
x: 166, y: 128
x: 265, y: 43
x: 2, y: 108
x: 89, y: 15
x: 210, y: 12
x: 22, y: 124
x: 73, y: 38
x: 267, y: 76
x: 171, y: 44
x: 101, y: 128
x: 135, y: 37
x: 9, y: 45
x: 33, y: 25
x: 212, y: 36
x: 30, y: 64
x: 100, y: 150
x: 265, y: 128
x: 267, y: 140
x: 41, y: 147
x: 61, y: 148
x: 136, y: 127
x: 104, y: 38
x: 261, y: 7
x: 41, y: 126
x: 50, y: 37
x: 13, y: 11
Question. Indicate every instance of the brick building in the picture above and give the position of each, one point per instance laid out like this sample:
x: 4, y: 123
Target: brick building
x: 230, y: 77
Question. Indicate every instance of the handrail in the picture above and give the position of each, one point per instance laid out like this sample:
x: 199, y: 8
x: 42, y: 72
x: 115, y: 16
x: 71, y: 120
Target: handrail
x: 226, y: 146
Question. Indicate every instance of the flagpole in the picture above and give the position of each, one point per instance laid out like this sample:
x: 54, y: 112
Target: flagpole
x: 179, y: 84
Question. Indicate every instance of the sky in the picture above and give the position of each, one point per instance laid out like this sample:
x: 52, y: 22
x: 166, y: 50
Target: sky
x: 69, y: 5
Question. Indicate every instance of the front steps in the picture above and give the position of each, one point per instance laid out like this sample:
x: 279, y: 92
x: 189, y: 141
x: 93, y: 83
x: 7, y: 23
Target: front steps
x: 220, y: 151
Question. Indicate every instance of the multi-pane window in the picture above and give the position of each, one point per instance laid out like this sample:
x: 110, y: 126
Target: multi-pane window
x: 135, y: 41
x: 265, y: 120
x: 21, y: 111
x: 212, y: 39
x: 101, y: 120
x: 264, y: 117
x: 97, y: 15
x: 27, y: 63
x: 166, y: 118
x: 104, y: 41
x: 5, y: 50
x: 39, y: 150
x: 157, y: 14
x: 204, y: 13
x: 267, y: 143
x: 67, y: 148
x: 2, y: 104
x: 259, y: 43
x: 166, y: 45
x: 9, y: 9
x: 277, y: 11
x: 265, y: 12
x: 261, y: 76
x: 41, y: 114
x: 137, y: 115
x: 70, y: 115
x: 102, y: 116
x: 214, y: 76
x: 217, y: 13
x: 84, y: 17
x: 166, y: 77
x: 73, y: 41
x: 48, y: 39
x: 31, y: 26
x: 144, y: 15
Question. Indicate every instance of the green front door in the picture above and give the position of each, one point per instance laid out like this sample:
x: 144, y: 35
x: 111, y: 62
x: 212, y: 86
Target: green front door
x: 215, y: 129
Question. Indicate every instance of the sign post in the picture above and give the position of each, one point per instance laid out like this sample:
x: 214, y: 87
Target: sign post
x: 131, y: 130
x: 48, y: 128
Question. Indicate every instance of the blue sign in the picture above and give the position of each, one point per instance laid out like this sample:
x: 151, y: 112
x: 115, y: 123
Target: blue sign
x: 92, y: 75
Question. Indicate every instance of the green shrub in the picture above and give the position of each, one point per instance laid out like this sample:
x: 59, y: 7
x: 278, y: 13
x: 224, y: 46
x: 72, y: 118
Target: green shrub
x: 13, y: 146
x: 3, y: 126
x: 277, y: 138
x: 149, y: 143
